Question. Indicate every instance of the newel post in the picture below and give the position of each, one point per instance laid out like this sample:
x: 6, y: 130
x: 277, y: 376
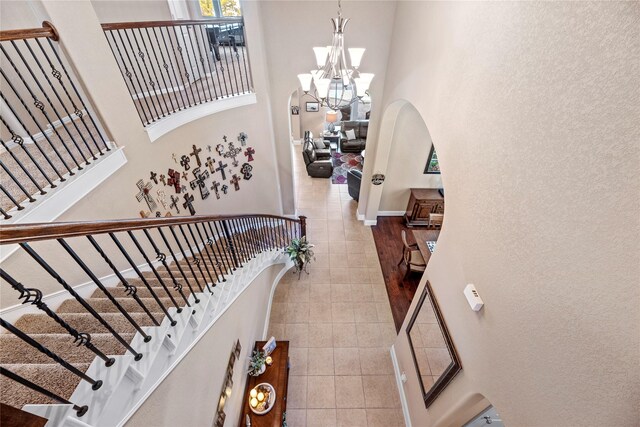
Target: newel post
x: 303, y: 226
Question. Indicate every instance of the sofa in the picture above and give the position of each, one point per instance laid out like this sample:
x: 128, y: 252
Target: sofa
x: 322, y: 150
x: 360, y: 129
x: 316, y: 167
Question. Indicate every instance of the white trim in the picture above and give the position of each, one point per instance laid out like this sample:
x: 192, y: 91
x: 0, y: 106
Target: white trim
x: 399, y: 383
x: 391, y: 213
x: 370, y: 222
x: 141, y: 95
x: 273, y: 291
x: 57, y: 201
x: 175, y: 120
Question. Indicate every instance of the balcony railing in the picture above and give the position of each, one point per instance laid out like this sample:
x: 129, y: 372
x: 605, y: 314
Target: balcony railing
x: 47, y: 128
x: 161, y: 267
x: 169, y: 66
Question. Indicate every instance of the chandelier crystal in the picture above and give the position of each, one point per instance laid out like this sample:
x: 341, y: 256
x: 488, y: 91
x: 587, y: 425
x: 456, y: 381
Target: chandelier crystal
x: 335, y: 85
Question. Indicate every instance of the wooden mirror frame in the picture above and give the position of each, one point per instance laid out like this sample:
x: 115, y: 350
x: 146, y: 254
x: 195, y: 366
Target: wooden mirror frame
x: 454, y: 367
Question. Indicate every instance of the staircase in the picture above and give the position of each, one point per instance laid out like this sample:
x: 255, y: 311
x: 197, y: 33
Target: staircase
x: 92, y: 360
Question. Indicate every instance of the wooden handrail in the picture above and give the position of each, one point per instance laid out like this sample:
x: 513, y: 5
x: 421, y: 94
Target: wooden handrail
x: 174, y: 23
x: 21, y: 233
x: 47, y: 30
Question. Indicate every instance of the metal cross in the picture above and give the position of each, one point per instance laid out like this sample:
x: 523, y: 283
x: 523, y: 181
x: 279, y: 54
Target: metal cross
x: 163, y: 179
x: 162, y: 198
x: 215, y: 187
x: 221, y: 168
x: 246, y: 171
x: 235, y: 181
x: 196, y: 153
x: 174, y: 179
x: 174, y: 203
x: 184, y: 162
x: 233, y: 153
x: 188, y: 200
x: 243, y: 138
x: 143, y: 193
x: 209, y: 164
x: 154, y: 177
x: 225, y: 189
x: 199, y: 182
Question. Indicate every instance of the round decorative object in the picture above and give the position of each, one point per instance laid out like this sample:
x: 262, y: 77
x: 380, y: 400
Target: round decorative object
x: 268, y: 393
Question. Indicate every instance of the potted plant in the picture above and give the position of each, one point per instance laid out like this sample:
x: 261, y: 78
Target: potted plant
x: 257, y: 363
x: 301, y: 254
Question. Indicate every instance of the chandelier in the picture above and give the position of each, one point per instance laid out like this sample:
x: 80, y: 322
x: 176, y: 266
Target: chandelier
x: 336, y: 85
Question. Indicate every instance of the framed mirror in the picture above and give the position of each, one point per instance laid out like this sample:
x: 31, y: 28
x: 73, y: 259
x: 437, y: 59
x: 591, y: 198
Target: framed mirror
x: 434, y: 354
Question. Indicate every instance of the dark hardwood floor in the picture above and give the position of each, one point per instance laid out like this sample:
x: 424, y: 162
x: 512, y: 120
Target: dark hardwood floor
x: 389, y: 245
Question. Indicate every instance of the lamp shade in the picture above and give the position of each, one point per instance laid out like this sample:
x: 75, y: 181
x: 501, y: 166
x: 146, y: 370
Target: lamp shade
x: 362, y: 83
x: 322, y: 85
x: 356, y: 55
x: 305, y: 81
x: 321, y: 55
x: 331, y: 116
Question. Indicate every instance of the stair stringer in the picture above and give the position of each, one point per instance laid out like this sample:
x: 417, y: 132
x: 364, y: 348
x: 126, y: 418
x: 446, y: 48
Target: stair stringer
x: 127, y: 384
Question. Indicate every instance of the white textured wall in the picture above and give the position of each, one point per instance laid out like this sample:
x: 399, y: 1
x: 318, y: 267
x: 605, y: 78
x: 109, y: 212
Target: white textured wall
x: 408, y: 157
x: 534, y: 109
x: 189, y: 395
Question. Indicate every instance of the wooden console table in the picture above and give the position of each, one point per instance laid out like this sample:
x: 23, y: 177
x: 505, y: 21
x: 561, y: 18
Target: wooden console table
x: 423, y: 201
x: 278, y: 376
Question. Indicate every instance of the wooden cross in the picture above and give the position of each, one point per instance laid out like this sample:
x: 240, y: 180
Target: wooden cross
x: 174, y: 203
x: 224, y: 138
x: 184, y: 162
x: 143, y: 193
x: 196, y: 153
x: 145, y: 214
x: 221, y: 168
x: 163, y: 179
x: 174, y: 179
x: 209, y: 148
x: 185, y: 176
x: 235, y: 181
x: 249, y: 152
x: 215, y: 187
x: 225, y: 189
x: 174, y: 157
x: 246, y: 171
x: 209, y: 164
x: 154, y: 177
x: 188, y: 200
x: 199, y: 182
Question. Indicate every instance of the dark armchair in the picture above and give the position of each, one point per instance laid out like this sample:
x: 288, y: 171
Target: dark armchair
x: 317, y: 168
x: 360, y: 129
x: 354, y: 179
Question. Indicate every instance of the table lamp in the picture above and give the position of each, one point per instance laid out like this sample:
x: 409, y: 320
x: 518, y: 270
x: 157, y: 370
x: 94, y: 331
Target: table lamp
x: 331, y: 117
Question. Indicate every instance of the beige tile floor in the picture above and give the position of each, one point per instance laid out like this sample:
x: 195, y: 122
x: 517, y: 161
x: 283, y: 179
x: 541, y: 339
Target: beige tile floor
x: 337, y: 318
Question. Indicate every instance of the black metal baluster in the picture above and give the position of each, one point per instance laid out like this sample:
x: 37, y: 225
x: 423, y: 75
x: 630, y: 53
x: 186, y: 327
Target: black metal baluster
x: 190, y: 64
x: 251, y: 236
x: 5, y: 214
x: 20, y: 141
x: 215, y: 67
x: 247, y: 70
x: 219, y: 260
x: 186, y: 74
x: 206, y: 42
x: 262, y: 232
x: 15, y: 180
x: 131, y: 290
x: 164, y: 81
x: 78, y: 298
x: 232, y: 41
x: 13, y: 200
x: 34, y: 296
x: 155, y: 272
x: 144, y: 280
x: 227, y: 82
x: 80, y: 98
x: 77, y: 111
x: 166, y: 66
x: 55, y: 150
x: 80, y: 410
x: 193, y: 34
x: 207, y: 245
x: 153, y: 83
x: 195, y: 258
x: 185, y: 83
x: 103, y: 288
x: 62, y: 104
x: 129, y: 75
x: 163, y: 259
x: 231, y: 244
x: 144, y: 76
x: 18, y: 162
x: 39, y: 105
x: 177, y: 263
x: 238, y: 243
x: 229, y: 264
x: 186, y: 259
x: 242, y: 238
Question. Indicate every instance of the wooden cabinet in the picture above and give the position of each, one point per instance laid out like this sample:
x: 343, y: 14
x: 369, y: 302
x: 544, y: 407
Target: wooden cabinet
x: 422, y: 202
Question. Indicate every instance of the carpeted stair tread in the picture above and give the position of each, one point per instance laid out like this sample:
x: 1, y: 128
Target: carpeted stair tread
x: 14, y: 350
x: 104, y: 305
x: 83, y: 322
x: 142, y: 291
x: 52, y: 377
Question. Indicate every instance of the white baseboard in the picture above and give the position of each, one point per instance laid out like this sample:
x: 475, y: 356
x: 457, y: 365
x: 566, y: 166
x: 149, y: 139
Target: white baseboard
x: 370, y: 222
x: 175, y: 120
x: 399, y: 383
x: 391, y: 213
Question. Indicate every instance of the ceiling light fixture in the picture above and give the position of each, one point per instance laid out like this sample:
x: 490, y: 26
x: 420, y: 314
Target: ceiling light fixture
x: 336, y: 85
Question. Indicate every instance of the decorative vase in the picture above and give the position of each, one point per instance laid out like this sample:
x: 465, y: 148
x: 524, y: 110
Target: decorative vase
x: 264, y: 368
